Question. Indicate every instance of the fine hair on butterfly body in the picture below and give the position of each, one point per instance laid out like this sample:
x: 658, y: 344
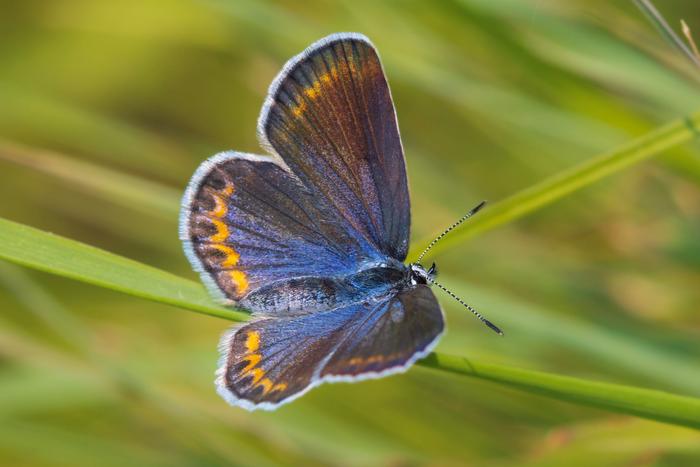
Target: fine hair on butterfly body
x: 312, y: 238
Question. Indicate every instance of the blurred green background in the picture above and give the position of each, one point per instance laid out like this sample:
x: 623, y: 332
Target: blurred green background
x: 106, y: 109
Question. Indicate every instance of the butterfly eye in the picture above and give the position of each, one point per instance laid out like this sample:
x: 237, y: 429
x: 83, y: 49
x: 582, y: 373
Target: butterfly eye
x: 418, y: 274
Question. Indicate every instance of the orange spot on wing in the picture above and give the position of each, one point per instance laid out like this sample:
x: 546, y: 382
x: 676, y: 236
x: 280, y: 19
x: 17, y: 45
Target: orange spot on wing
x: 314, y: 90
x: 279, y: 387
x: 299, y: 109
x: 221, y: 231
x: 365, y: 360
x: 325, y: 78
x: 252, y: 342
x: 252, y: 360
x: 232, y: 255
x: 240, y: 280
x: 266, y: 384
x: 310, y: 93
x: 257, y: 374
x: 220, y: 208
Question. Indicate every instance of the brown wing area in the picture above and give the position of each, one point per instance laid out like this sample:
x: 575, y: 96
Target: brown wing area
x: 273, y: 360
x: 270, y: 361
x: 331, y: 118
x: 390, y: 337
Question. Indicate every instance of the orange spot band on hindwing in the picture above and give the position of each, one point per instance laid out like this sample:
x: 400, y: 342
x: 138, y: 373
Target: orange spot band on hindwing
x: 257, y: 374
x: 279, y: 387
x: 253, y: 361
x: 252, y: 344
x: 252, y: 341
x: 266, y: 384
x: 366, y: 360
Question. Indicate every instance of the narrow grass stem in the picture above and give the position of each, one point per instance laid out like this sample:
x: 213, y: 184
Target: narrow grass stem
x: 645, y: 403
x: 568, y: 181
x: 657, y: 19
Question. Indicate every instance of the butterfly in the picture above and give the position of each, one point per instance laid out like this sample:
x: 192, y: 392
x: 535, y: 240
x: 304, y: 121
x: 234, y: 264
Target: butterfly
x: 312, y: 238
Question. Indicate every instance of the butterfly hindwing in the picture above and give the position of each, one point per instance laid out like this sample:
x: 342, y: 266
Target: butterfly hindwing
x: 247, y: 222
x: 331, y: 118
x: 390, y: 337
x: 273, y: 360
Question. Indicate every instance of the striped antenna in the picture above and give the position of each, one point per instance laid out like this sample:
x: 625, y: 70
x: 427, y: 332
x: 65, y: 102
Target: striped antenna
x: 473, y: 211
x: 481, y: 318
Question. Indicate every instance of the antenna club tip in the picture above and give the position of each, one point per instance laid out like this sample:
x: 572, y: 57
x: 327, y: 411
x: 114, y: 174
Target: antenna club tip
x: 493, y: 327
x: 479, y: 206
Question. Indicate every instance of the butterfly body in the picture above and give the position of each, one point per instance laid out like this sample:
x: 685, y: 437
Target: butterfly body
x: 309, y: 294
x: 312, y: 238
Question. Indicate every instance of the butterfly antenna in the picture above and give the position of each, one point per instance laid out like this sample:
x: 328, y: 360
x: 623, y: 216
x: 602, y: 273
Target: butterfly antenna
x: 473, y: 211
x: 481, y: 318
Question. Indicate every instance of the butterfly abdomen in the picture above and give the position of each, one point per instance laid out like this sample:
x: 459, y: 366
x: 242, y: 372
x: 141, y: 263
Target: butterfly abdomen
x: 312, y: 294
x: 297, y: 296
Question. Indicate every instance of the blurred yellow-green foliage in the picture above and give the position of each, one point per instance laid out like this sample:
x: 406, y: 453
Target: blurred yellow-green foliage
x: 114, y: 104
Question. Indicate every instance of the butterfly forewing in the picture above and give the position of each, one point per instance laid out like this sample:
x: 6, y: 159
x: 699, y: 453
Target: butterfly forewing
x: 331, y: 117
x: 249, y: 223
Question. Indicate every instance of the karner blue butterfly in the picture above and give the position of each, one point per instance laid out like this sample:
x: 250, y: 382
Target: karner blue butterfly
x: 312, y: 238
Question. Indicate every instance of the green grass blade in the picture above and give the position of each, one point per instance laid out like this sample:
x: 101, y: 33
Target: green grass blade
x: 565, y: 182
x: 40, y: 250
x: 646, y: 403
x: 655, y: 18
x: 590, y: 340
x: 57, y: 255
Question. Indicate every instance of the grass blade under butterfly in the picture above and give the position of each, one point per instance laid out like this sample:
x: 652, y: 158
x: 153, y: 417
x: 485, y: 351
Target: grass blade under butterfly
x: 57, y: 255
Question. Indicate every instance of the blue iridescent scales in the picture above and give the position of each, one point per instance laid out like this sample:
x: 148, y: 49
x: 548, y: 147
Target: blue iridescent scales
x: 312, y: 238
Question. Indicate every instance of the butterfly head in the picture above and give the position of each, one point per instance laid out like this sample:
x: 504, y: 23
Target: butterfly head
x: 419, y: 275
